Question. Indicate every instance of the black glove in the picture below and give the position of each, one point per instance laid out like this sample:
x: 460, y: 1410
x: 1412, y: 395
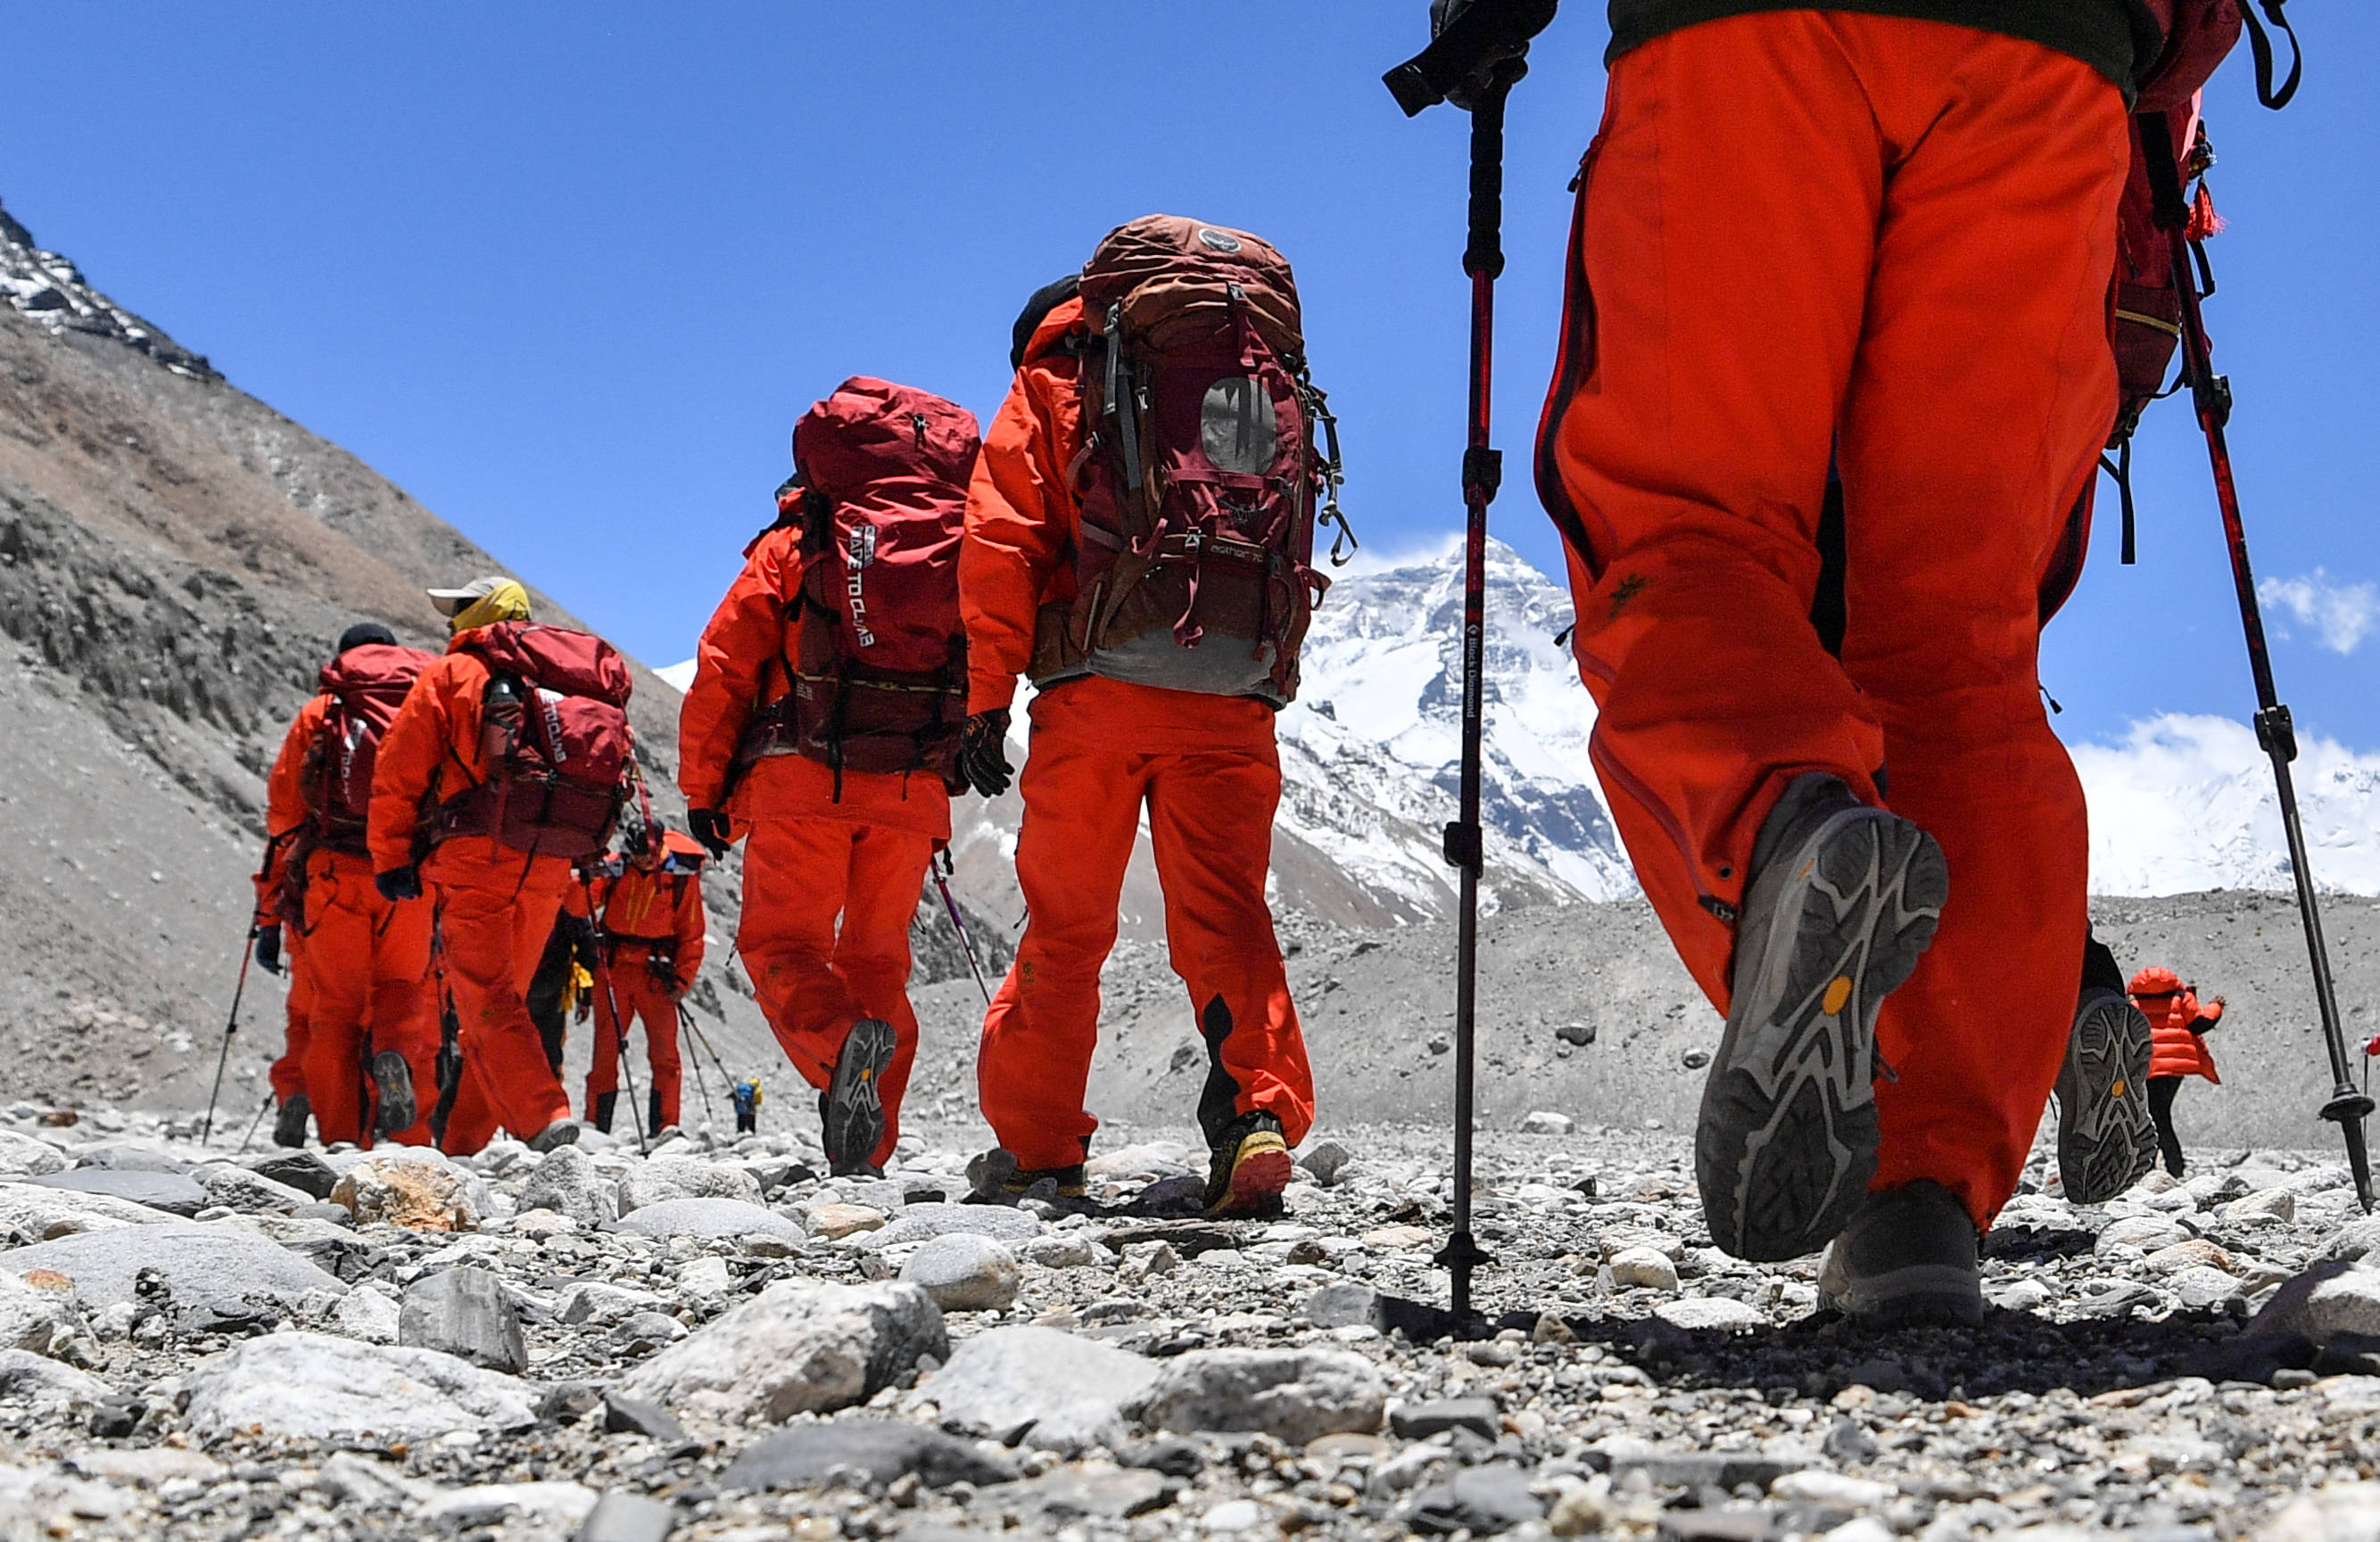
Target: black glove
x: 709, y: 826
x: 399, y: 883
x: 268, y: 949
x: 983, y: 759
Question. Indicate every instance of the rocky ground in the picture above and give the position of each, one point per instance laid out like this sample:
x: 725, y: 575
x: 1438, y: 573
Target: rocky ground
x: 713, y: 1342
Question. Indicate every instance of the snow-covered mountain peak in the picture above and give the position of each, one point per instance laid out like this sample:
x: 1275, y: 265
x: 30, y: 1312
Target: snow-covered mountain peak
x: 50, y: 289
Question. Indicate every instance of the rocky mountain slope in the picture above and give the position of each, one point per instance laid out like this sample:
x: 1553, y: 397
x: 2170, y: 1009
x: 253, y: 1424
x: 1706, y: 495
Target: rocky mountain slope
x: 176, y: 559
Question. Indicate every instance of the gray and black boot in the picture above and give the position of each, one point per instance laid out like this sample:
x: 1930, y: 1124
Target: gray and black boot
x: 1842, y: 900
x: 392, y: 1080
x: 851, y: 1109
x: 289, y: 1122
x: 1908, y: 1259
x: 2106, y: 1137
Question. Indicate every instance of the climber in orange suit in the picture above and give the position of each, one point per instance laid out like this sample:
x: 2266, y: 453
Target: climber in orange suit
x: 494, y: 905
x: 820, y: 846
x: 649, y: 934
x: 1806, y: 234
x: 2177, y: 1029
x: 359, y: 964
x: 1206, y: 770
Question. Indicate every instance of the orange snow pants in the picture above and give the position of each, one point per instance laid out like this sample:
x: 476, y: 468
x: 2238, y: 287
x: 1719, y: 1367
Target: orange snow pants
x: 367, y: 962
x: 1807, y: 234
x: 288, y: 1073
x: 495, y: 910
x: 1208, y: 772
x: 640, y: 998
x: 813, y: 979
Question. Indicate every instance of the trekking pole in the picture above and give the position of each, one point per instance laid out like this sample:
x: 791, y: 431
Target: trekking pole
x: 619, y: 1028
x: 710, y: 1114
x: 1476, y: 54
x: 252, y: 1123
x: 2347, y: 1106
x: 941, y: 881
x: 231, y: 1027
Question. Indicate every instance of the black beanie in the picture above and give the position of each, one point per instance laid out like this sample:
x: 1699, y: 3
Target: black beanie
x: 363, y: 632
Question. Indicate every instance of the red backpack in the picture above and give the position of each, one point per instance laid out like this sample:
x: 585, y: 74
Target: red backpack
x: 879, y: 683
x: 366, y: 684
x: 554, y: 733
x: 1198, y: 486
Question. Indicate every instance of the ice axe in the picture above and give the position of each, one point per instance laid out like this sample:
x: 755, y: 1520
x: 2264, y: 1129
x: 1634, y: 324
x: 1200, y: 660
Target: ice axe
x: 1478, y: 51
x: 941, y: 865
x: 2347, y: 1106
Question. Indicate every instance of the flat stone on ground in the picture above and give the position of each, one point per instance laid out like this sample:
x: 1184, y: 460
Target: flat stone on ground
x: 709, y: 1218
x: 313, y: 1387
x: 1004, y: 1382
x: 882, y: 1448
x: 796, y: 1347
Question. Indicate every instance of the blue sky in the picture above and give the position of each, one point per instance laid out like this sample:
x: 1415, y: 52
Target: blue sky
x: 569, y: 273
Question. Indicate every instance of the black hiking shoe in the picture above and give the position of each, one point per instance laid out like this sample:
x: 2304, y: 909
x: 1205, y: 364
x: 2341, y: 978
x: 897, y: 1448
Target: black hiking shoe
x: 1843, y: 898
x: 1249, y: 1168
x: 289, y: 1123
x: 850, y: 1108
x: 393, y: 1079
x: 1906, y: 1260
x: 2107, y: 1137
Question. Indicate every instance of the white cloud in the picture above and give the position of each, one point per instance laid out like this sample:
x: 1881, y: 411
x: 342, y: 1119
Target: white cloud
x: 2186, y: 803
x: 2343, y: 613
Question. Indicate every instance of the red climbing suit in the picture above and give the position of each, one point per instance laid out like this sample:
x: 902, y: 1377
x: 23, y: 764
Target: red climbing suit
x: 830, y: 882
x: 1204, y: 769
x: 1806, y: 235
x: 648, y: 928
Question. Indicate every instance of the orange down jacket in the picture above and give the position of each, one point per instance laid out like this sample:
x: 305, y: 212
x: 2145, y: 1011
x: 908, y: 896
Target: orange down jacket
x: 2177, y: 1024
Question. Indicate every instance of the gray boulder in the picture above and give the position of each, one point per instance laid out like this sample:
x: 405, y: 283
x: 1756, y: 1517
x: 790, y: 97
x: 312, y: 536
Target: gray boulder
x: 711, y: 1218
x: 33, y: 1318
x: 237, y: 1188
x: 880, y: 1450
x: 620, y: 1516
x: 302, y: 1171
x: 1009, y: 1382
x: 1295, y: 1395
x: 567, y: 1181
x: 200, y: 1267
x: 23, y: 1157
x: 2322, y: 1303
x: 923, y: 1222
x: 31, y: 1212
x: 965, y: 1273
x: 313, y: 1387
x: 174, y: 1193
x: 796, y: 1347
x: 663, y: 1178
x: 26, y: 1376
x: 463, y: 1312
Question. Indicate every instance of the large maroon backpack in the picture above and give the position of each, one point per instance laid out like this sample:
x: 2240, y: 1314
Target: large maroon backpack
x: 1200, y: 480
x: 554, y: 736
x: 367, y: 685
x: 879, y: 681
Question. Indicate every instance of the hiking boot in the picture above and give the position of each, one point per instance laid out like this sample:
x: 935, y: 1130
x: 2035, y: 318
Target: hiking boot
x: 393, y: 1079
x: 289, y: 1123
x: 2107, y: 1137
x: 562, y: 1132
x: 1906, y: 1260
x: 1064, y: 1182
x: 849, y: 1108
x: 1250, y: 1168
x: 1843, y: 898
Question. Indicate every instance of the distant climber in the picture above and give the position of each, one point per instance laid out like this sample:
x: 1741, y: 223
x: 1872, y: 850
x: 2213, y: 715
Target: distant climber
x: 647, y: 909
x: 1144, y: 556
x: 2179, y: 1026
x: 822, y: 725
x: 360, y: 962
x: 509, y: 760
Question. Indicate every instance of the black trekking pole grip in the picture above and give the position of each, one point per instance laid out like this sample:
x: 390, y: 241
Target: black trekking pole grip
x: 1484, y: 253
